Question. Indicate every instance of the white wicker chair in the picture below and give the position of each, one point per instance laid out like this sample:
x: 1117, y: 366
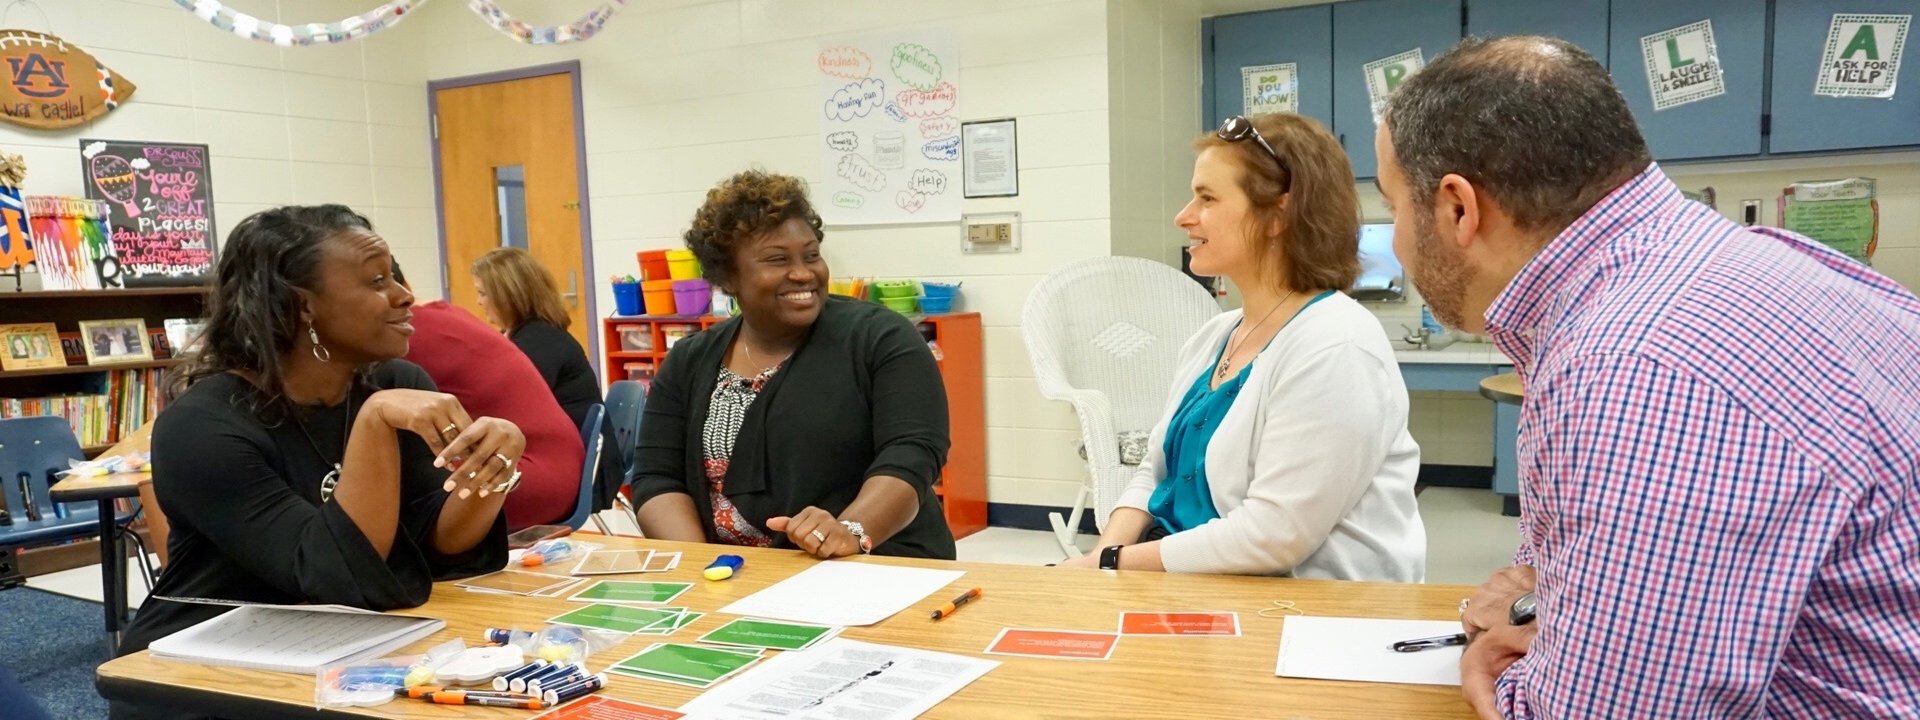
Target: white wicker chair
x: 1104, y: 334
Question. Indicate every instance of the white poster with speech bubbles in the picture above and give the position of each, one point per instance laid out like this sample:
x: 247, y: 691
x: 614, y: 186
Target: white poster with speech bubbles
x: 890, y: 130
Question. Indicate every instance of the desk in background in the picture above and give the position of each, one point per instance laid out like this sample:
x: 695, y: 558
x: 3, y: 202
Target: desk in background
x: 1459, y: 368
x: 107, y: 490
x: 1167, y: 677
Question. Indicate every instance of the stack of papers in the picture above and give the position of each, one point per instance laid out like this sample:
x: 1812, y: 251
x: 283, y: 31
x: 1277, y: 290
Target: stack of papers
x: 629, y: 620
x: 697, y: 666
x: 518, y: 582
x: 844, y: 593
x: 290, y: 638
x: 619, y: 562
x: 842, y: 679
x: 769, y: 634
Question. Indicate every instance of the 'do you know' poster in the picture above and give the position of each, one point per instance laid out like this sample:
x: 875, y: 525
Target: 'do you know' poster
x: 890, y: 130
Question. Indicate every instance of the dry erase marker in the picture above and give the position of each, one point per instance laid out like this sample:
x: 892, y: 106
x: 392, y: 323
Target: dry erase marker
x: 498, y: 636
x: 458, y: 697
x: 573, y: 674
x: 531, y: 683
x: 724, y: 567
x: 954, y: 606
x: 575, y: 689
x: 428, y: 692
x: 1429, y: 643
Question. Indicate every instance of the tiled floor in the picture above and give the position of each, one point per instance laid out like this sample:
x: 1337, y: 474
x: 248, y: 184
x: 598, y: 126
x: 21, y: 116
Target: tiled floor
x: 1467, y: 538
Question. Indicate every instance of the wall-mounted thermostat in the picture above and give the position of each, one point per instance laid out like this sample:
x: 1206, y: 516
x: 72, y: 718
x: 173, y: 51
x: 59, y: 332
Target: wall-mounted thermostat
x: 990, y: 233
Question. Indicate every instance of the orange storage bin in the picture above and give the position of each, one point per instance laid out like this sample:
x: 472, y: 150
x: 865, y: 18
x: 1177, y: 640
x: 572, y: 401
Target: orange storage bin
x: 653, y: 265
x: 659, y: 296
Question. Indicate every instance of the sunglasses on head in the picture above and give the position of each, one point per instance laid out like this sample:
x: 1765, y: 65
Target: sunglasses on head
x: 1239, y: 128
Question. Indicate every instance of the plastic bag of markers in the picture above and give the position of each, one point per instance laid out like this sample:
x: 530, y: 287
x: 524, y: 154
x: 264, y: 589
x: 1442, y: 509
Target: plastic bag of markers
x: 558, y: 553
x: 372, y: 683
x: 558, y: 643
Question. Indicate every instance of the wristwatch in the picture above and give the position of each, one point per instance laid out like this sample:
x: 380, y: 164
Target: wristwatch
x: 859, y: 533
x: 1110, y: 557
x: 1522, y: 611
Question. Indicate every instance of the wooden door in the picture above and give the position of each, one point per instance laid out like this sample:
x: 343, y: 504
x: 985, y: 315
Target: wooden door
x: 491, y: 136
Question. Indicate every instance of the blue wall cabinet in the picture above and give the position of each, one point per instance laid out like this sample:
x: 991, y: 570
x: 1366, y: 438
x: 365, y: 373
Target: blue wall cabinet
x: 1303, y: 36
x: 1581, y: 22
x: 1724, y: 125
x: 1804, y: 121
x: 1366, y: 31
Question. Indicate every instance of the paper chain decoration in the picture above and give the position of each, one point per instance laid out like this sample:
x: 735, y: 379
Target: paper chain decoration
x: 389, y: 15
x: 576, y: 31
x: 353, y: 28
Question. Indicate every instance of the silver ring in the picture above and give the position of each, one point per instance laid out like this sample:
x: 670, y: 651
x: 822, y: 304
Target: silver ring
x: 504, y: 460
x: 1463, y: 606
x: 819, y: 537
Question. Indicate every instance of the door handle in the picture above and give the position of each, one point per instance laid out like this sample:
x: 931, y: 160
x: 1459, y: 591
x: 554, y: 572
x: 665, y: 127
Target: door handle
x: 573, y: 289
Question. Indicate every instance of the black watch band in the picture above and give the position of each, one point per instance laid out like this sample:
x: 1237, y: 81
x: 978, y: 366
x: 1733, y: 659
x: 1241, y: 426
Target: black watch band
x: 1110, y: 557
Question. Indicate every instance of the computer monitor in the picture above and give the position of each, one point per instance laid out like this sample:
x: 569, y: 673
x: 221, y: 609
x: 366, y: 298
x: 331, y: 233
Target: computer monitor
x: 1381, y: 279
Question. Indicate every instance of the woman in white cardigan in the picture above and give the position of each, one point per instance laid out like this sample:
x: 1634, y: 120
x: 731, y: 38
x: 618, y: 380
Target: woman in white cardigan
x: 1284, y: 448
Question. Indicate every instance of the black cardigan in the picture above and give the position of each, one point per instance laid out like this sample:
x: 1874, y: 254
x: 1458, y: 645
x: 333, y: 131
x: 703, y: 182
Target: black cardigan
x: 860, y: 397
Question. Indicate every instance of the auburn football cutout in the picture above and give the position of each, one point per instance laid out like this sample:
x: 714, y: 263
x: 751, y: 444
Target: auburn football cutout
x: 51, y: 83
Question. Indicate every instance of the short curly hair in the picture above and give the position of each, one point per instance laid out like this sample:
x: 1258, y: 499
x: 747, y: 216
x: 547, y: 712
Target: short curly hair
x: 740, y: 208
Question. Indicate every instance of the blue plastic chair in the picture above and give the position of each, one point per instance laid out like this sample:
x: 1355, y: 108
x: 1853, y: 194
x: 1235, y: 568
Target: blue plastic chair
x: 35, y: 448
x: 589, y: 434
x: 626, y: 400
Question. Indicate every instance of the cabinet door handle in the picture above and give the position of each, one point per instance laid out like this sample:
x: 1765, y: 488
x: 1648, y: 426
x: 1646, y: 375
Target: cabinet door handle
x: 573, y: 289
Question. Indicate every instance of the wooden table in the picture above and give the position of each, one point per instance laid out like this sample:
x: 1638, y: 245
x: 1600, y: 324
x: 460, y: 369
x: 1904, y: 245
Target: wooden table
x: 1503, y: 388
x: 106, y: 490
x: 1170, y: 677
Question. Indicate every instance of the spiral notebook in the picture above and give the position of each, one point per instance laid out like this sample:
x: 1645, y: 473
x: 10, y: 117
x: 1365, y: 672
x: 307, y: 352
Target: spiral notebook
x: 290, y: 638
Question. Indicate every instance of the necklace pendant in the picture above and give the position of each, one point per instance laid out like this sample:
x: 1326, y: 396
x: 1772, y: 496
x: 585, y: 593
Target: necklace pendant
x: 328, y: 483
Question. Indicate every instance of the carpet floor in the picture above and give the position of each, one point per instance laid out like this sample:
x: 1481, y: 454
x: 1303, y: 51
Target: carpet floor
x: 63, y: 643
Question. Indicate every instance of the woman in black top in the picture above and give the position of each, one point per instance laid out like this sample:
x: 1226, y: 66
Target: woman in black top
x: 520, y: 297
x: 808, y: 421
x: 304, y: 463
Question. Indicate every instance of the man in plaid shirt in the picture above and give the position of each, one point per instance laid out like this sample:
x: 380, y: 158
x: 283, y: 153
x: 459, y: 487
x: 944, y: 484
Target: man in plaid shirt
x: 1720, y: 441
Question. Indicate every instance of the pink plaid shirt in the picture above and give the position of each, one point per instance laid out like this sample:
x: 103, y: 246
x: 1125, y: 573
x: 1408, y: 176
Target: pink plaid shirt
x: 1720, y: 467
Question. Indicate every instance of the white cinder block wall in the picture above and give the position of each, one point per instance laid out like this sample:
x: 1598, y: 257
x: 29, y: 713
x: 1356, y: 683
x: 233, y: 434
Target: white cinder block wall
x: 295, y: 125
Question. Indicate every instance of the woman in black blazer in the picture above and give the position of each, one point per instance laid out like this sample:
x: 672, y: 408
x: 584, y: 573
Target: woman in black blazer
x: 808, y: 421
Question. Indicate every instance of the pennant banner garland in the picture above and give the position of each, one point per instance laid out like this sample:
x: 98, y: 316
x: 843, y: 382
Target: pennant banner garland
x: 579, y: 30
x: 353, y: 28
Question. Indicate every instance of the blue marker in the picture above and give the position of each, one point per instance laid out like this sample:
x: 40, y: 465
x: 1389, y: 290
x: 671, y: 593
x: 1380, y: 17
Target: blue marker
x: 575, y: 689
x: 572, y: 674
x: 504, y: 682
x: 525, y: 684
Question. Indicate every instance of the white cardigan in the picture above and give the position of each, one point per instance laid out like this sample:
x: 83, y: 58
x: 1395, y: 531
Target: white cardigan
x: 1312, y: 469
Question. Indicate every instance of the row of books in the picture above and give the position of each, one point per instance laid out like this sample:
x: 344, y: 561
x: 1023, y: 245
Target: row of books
x: 122, y: 402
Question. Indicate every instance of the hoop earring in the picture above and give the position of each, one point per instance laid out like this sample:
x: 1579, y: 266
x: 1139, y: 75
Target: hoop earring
x: 320, y: 352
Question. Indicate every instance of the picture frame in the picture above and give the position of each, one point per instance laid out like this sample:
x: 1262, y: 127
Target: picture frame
x: 30, y: 346
x: 115, y: 342
x: 990, y: 158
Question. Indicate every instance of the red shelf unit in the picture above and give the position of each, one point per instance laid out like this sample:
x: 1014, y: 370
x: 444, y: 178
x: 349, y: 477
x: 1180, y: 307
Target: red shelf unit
x: 637, y: 345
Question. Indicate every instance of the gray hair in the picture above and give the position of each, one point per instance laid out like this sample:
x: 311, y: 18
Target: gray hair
x: 1535, y: 122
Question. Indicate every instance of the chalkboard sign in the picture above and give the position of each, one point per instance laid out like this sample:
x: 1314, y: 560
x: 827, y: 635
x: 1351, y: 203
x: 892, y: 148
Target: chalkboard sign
x: 161, y: 217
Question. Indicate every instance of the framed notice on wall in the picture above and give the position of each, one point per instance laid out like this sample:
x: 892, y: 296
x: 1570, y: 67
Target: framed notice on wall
x: 991, y: 152
x: 161, y: 208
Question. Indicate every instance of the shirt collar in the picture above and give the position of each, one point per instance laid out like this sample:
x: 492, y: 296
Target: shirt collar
x: 1516, y: 316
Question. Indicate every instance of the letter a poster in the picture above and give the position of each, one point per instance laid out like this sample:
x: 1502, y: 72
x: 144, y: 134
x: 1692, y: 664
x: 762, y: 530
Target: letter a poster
x: 890, y: 130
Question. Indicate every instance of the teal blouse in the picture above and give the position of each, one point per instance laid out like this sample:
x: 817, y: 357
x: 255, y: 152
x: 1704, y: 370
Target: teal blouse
x: 1183, y: 500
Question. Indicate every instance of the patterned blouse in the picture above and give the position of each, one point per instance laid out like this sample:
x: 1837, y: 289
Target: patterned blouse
x: 732, y: 395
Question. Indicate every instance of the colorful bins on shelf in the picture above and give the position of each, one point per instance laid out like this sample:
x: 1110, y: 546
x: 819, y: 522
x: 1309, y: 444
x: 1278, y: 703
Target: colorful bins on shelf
x: 653, y: 265
x: 938, y: 297
x: 692, y: 297
x: 681, y: 265
x: 626, y: 299
x: 659, y: 296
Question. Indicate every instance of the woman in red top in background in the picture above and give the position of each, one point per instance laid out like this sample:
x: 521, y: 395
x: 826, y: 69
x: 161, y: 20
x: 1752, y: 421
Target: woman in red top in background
x: 482, y: 368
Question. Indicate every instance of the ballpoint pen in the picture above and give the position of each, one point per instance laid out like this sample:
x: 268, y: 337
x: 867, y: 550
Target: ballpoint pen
x: 1430, y: 643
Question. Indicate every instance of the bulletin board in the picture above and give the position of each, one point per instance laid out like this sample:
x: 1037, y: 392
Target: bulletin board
x: 890, y: 129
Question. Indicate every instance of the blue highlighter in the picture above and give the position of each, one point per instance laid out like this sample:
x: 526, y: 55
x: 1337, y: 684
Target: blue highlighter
x: 724, y: 567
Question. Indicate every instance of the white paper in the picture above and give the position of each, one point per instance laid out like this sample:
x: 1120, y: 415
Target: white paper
x: 300, y: 639
x: 992, y: 165
x: 1270, y: 89
x: 1862, y: 55
x: 890, y: 129
x: 1683, y: 65
x: 841, y: 679
x: 1337, y: 648
x: 849, y: 594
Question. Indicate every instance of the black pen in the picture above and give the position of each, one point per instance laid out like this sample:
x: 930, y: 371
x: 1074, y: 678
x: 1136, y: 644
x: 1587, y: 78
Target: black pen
x: 1430, y: 643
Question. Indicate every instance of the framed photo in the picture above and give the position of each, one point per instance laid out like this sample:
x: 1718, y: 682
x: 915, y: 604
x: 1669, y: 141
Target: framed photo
x: 30, y: 347
x: 990, y: 159
x: 112, y: 342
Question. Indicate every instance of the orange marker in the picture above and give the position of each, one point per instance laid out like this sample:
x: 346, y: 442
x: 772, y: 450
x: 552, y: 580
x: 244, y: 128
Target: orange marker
x: 954, y: 606
x: 459, y: 697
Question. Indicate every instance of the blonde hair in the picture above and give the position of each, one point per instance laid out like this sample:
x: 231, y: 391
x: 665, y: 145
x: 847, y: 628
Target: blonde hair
x: 1319, y: 241
x: 520, y: 289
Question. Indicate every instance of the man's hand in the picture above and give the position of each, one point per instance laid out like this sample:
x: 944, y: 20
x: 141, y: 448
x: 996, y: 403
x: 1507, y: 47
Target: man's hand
x: 1488, y: 607
x: 1489, y: 655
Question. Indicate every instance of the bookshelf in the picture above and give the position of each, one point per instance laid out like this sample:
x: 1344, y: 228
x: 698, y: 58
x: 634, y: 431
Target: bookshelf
x: 636, y: 345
